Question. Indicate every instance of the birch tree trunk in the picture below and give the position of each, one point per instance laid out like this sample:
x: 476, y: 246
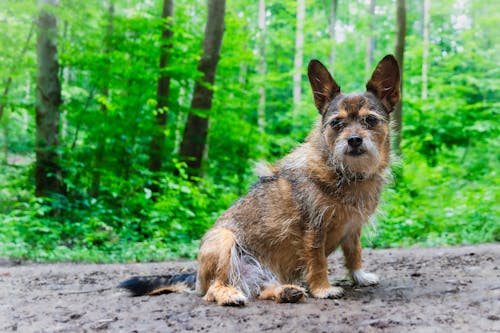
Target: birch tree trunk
x: 195, y: 133
x: 261, y: 110
x: 156, y: 148
x: 399, y: 54
x: 425, y: 50
x: 370, y: 42
x: 48, y: 175
x: 332, y: 22
x: 297, y: 63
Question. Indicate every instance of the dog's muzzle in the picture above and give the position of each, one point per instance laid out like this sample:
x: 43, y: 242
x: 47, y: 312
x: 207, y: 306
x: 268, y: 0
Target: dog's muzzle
x: 354, y: 145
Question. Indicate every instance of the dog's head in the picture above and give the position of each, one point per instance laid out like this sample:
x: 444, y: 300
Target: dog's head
x: 355, y: 127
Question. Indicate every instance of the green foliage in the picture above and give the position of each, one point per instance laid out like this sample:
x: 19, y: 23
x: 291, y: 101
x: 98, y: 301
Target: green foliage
x: 447, y: 185
x: 128, y: 226
x: 443, y: 204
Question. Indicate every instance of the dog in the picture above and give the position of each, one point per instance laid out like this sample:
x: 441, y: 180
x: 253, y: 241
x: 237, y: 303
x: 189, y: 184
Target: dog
x: 273, y: 243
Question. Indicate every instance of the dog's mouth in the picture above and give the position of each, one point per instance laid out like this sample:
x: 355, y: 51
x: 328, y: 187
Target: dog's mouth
x: 355, y: 152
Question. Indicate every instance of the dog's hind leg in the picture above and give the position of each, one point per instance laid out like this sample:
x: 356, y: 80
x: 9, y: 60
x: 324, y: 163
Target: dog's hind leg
x: 217, y: 250
x: 286, y: 293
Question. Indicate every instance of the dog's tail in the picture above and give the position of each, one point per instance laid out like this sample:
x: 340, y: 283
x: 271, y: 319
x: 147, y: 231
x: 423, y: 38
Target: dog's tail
x: 159, y: 284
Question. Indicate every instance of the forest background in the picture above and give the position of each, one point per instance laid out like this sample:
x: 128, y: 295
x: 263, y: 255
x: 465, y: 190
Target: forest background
x: 121, y: 185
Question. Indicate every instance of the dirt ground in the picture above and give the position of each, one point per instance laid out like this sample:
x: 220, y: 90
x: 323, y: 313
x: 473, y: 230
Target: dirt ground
x: 454, y: 289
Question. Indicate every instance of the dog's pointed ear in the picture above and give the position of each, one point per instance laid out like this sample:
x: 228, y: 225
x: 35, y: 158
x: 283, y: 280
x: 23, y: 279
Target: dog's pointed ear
x: 385, y: 82
x: 324, y: 87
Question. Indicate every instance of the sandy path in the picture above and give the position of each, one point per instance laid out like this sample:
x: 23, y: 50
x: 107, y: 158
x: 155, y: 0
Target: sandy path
x: 422, y: 290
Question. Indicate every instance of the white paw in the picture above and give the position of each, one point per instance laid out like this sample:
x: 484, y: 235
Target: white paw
x: 331, y: 292
x: 363, y: 278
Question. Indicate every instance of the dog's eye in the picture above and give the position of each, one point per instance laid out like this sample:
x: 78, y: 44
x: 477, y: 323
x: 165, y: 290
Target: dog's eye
x: 337, y: 124
x: 371, y: 121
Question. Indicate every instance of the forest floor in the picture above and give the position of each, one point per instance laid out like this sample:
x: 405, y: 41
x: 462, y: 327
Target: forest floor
x: 455, y: 289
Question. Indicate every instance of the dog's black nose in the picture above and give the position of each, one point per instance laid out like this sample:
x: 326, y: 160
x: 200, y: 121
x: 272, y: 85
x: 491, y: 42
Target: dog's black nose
x: 354, y: 140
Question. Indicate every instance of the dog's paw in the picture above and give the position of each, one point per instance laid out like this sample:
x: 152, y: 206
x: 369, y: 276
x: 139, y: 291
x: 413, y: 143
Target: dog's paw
x: 291, y: 294
x: 225, y: 296
x: 330, y: 292
x: 233, y: 300
x: 363, y: 279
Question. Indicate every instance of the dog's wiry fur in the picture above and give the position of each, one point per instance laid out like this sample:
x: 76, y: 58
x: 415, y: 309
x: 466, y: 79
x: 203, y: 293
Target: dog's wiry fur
x: 312, y: 201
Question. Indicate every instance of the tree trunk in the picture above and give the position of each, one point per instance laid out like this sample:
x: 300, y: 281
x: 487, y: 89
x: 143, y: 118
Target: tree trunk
x: 196, y: 130
x: 261, y: 110
x: 425, y: 49
x: 331, y: 29
x: 297, y: 63
x: 104, y: 90
x: 399, y: 53
x: 370, y: 43
x: 48, y: 175
x: 156, y: 148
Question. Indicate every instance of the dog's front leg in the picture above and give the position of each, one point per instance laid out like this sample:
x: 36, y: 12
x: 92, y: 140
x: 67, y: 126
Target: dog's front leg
x: 316, y: 266
x: 351, y: 247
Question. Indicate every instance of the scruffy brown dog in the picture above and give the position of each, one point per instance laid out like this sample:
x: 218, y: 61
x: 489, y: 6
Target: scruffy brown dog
x: 316, y: 198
